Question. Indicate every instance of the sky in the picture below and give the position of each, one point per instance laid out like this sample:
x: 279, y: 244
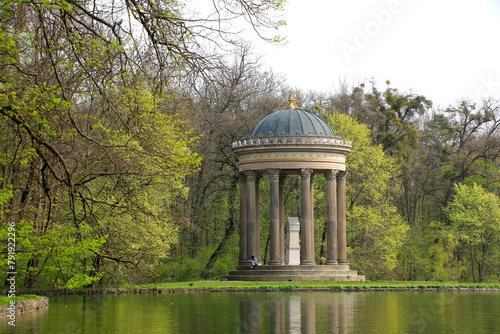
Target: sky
x: 446, y: 50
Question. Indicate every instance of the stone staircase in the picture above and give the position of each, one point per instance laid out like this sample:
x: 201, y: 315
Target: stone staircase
x: 294, y: 273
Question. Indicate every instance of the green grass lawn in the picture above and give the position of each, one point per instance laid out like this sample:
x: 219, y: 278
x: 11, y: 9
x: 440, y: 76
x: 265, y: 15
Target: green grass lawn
x: 216, y: 285
x: 6, y: 300
x: 295, y: 285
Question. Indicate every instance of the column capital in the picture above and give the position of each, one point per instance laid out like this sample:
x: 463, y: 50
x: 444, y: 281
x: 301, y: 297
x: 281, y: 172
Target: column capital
x: 274, y: 174
x: 242, y: 178
x: 305, y: 174
x: 252, y: 175
x: 331, y: 174
x: 341, y: 176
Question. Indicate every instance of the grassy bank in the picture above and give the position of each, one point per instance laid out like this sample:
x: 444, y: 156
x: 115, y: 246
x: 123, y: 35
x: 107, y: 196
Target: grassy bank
x: 6, y: 300
x: 230, y: 286
x: 309, y: 285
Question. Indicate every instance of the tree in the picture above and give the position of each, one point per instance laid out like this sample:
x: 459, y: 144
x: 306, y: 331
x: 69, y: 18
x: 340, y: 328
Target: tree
x: 475, y: 217
x: 457, y: 145
x: 389, y: 115
x: 226, y: 106
x: 92, y: 146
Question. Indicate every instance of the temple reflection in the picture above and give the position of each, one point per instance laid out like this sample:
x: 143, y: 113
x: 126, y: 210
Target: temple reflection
x: 296, y: 313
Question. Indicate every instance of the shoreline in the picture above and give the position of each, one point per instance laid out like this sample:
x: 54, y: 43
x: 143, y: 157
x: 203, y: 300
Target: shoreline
x: 23, y: 306
x: 70, y: 292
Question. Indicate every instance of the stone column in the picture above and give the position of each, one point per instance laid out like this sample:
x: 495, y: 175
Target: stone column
x: 274, y: 232
x: 341, y: 219
x: 331, y: 216
x: 257, y: 208
x: 311, y: 211
x: 282, y: 219
x: 307, y: 245
x: 253, y: 228
x: 243, y: 258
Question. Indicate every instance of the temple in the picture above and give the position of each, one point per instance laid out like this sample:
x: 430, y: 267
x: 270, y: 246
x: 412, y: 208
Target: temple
x: 292, y: 142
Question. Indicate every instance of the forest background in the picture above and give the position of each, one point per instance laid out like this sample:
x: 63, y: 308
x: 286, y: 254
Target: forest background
x: 116, y: 124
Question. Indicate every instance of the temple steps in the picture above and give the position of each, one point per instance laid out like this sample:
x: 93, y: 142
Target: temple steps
x: 294, y: 273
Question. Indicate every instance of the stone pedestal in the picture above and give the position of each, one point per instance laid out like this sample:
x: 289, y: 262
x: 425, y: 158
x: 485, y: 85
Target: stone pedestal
x: 292, y: 243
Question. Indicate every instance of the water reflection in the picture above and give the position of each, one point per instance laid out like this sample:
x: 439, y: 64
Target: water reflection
x: 266, y: 312
x: 296, y: 313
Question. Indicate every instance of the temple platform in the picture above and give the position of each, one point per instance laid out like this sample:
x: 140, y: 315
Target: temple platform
x: 294, y: 273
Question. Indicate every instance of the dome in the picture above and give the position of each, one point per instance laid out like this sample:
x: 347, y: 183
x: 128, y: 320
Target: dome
x: 291, y: 122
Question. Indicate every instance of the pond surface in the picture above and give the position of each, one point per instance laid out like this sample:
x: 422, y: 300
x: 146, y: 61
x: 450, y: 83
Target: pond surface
x: 267, y: 312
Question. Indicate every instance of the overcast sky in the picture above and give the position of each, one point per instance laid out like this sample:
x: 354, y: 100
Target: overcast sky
x: 443, y: 49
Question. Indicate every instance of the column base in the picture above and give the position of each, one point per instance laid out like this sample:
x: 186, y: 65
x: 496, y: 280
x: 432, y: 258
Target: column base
x: 329, y: 262
x: 307, y: 262
x: 342, y: 262
x: 275, y: 263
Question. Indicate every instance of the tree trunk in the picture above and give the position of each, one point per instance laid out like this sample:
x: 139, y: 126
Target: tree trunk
x: 472, y: 263
x: 32, y: 272
x: 267, y: 248
x: 322, y: 251
x: 205, y: 273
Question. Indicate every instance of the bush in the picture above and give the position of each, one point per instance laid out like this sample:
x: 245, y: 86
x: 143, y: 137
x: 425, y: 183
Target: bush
x: 189, y: 270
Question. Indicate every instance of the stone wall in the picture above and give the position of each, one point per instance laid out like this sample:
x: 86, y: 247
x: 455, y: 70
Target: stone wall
x: 25, y: 306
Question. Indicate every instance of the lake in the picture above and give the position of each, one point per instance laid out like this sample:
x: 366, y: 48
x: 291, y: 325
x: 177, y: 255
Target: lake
x: 267, y: 312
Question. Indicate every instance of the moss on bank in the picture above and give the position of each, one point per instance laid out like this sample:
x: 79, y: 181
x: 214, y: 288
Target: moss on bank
x: 4, y: 300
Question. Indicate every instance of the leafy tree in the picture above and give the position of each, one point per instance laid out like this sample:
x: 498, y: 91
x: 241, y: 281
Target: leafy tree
x: 456, y: 145
x: 225, y: 108
x: 475, y: 217
x: 93, y: 146
x: 389, y: 115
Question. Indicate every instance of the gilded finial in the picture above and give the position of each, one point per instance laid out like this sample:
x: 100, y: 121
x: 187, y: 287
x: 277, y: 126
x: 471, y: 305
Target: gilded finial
x: 292, y: 104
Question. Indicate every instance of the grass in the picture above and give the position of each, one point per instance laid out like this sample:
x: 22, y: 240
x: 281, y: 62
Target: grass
x: 298, y: 285
x: 287, y: 286
x: 4, y: 300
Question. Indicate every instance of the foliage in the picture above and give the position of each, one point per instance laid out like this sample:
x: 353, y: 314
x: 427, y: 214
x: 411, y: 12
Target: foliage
x: 225, y: 108
x: 188, y: 268
x: 395, y: 128
x: 115, y: 157
x: 95, y: 147
x: 389, y: 115
x: 443, y: 262
x: 475, y: 217
x: 444, y: 147
x: 5, y: 195
x: 376, y: 239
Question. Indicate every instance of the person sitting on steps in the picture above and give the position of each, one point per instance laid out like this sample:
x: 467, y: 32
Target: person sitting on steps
x: 254, y: 262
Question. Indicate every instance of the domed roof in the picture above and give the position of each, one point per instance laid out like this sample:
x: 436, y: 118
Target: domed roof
x: 291, y: 122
